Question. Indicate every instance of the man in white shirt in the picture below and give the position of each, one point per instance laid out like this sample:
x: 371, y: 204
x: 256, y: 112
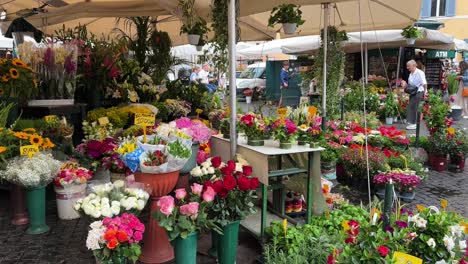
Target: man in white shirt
x: 417, y: 78
x: 203, y: 74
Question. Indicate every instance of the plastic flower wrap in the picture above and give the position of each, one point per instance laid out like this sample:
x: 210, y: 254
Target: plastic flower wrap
x: 112, y: 199
x: 115, y: 238
x: 74, y: 175
x: 130, y: 154
x: 37, y: 171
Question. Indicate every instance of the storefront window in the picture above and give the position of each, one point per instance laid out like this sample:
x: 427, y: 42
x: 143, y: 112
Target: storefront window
x: 438, y: 8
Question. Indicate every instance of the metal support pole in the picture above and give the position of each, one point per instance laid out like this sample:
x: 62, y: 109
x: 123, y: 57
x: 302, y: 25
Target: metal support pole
x: 366, y: 63
x: 325, y: 51
x: 418, y: 126
x: 342, y: 108
x: 232, y: 74
x: 388, y: 204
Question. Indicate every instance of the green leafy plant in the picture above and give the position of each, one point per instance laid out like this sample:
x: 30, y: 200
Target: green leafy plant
x: 458, y: 145
x: 286, y: 13
x: 177, y: 149
x: 435, y: 112
x: 411, y: 32
x: 452, y: 82
x: 199, y: 27
x: 390, y: 107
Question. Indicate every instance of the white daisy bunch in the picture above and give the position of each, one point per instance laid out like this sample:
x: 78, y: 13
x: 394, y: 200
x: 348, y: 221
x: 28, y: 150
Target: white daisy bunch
x: 37, y: 171
x: 112, y: 199
x: 95, y: 234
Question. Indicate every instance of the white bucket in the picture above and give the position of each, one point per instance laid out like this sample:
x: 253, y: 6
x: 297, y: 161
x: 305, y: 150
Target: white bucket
x: 389, y: 120
x: 410, y: 41
x: 66, y: 199
x: 248, y: 99
x: 289, y: 28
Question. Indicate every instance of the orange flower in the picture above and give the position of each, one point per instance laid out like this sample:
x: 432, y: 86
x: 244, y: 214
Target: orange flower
x: 110, y: 234
x: 29, y: 130
x: 451, y: 131
x: 113, y: 243
x: 18, y: 62
x: 47, y: 143
x: 122, y: 236
x: 14, y: 73
x: 21, y: 135
x: 5, y: 78
x: 2, y: 149
x: 36, y: 140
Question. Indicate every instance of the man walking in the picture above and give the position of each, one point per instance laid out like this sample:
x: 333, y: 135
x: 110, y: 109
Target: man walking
x: 284, y: 77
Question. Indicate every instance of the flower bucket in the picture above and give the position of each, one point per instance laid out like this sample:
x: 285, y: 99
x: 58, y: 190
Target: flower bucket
x: 410, y: 41
x: 407, y: 197
x: 192, y: 161
x: 301, y: 142
x: 122, y: 260
x: 285, y: 145
x: 199, y: 48
x: 114, y: 176
x: 185, y: 249
x: 439, y: 162
x: 341, y: 173
x: 227, y: 243
x: 20, y: 215
x: 248, y: 99
x: 455, y: 113
x: 193, y: 39
x: 213, y: 251
x: 66, y: 198
x: 457, y: 164
x: 102, y: 175
x: 35, y: 200
x: 255, y: 142
x: 289, y: 28
x: 328, y: 170
x: 389, y: 120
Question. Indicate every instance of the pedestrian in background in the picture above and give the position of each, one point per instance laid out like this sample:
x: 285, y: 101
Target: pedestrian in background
x: 462, y: 94
x: 416, y: 88
x: 284, y: 77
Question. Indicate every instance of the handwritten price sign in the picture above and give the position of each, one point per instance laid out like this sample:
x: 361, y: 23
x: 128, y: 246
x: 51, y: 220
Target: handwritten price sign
x: 69, y: 165
x: 51, y: 118
x: 144, y: 119
x: 402, y: 258
x: 28, y: 150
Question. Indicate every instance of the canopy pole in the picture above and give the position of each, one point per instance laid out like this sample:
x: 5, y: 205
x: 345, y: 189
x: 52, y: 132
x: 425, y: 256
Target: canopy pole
x: 400, y: 51
x: 232, y: 75
x: 325, y: 51
x: 366, y: 63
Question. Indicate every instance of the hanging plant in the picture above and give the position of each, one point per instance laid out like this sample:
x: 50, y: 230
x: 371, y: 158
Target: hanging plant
x: 289, y: 15
x: 194, y: 26
x: 411, y: 32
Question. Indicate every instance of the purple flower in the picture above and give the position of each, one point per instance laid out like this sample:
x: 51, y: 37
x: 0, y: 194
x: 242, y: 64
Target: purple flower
x: 404, y: 211
x: 183, y: 122
x: 70, y: 65
x: 401, y: 224
x: 389, y: 229
x: 49, y: 57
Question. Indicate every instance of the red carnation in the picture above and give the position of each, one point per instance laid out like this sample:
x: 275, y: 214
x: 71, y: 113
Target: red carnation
x: 218, y: 186
x: 216, y: 162
x: 244, y: 183
x: 383, y: 251
x: 229, y: 182
x: 353, y: 224
x: 226, y: 171
x: 353, y: 232
x: 350, y: 240
x: 231, y: 165
x: 248, y: 120
x: 254, y: 183
x: 247, y: 170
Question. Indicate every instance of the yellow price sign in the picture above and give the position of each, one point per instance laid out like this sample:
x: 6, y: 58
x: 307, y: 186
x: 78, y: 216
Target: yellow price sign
x: 69, y: 165
x: 103, y: 121
x: 51, y: 118
x: 282, y: 111
x: 144, y: 119
x: 29, y: 150
x: 402, y: 258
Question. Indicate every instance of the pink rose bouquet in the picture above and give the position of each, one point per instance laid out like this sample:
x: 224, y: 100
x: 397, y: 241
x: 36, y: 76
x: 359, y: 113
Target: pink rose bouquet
x: 284, y: 130
x: 187, y: 212
x: 195, y: 128
x: 114, y: 239
x: 253, y: 126
x: 74, y: 175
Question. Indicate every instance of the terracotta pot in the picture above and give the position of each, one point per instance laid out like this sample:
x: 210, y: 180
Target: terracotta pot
x: 20, y: 215
x: 157, y: 248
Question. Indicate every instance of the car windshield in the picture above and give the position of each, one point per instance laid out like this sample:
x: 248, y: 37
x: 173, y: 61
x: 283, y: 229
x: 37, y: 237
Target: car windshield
x: 251, y: 73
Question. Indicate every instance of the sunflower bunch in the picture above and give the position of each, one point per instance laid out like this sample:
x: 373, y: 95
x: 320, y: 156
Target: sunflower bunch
x: 17, y: 79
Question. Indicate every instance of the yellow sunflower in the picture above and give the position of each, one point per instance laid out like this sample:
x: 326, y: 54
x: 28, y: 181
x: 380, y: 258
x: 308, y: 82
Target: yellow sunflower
x: 18, y: 62
x: 2, y: 149
x: 5, y: 78
x: 36, y: 140
x: 21, y: 135
x: 29, y: 130
x: 14, y: 73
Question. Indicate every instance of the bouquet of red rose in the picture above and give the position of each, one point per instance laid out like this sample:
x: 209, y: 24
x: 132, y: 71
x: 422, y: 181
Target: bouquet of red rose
x: 235, y: 188
x: 92, y: 152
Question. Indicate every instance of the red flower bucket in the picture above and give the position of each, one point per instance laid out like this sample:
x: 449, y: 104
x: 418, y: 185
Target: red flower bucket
x: 457, y: 164
x: 438, y: 162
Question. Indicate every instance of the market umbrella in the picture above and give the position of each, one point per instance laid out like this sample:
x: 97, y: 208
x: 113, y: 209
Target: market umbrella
x: 276, y: 46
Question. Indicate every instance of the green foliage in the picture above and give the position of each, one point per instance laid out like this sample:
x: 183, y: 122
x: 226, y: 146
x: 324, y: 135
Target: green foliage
x: 439, y: 143
x: 390, y: 107
x: 354, y: 98
x: 411, y: 32
x: 21, y: 124
x: 354, y: 161
x: 179, y: 150
x: 286, y: 13
x: 452, y: 82
x: 196, y: 94
x: 236, y: 206
x: 5, y: 109
x: 458, y: 144
x: 435, y: 111
x: 117, y: 117
x: 335, y: 68
x: 356, y: 116
x: 199, y: 27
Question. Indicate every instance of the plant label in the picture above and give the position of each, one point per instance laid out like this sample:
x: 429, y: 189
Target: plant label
x: 402, y: 258
x: 144, y: 119
x: 29, y: 150
x: 103, y: 121
x: 51, y: 118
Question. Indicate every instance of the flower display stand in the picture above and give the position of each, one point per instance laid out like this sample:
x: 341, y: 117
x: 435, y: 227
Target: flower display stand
x: 185, y: 249
x: 35, y: 199
x: 20, y: 215
x: 157, y: 248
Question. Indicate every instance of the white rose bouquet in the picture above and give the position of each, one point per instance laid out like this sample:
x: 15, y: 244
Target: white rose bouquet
x: 112, y: 199
x: 37, y: 171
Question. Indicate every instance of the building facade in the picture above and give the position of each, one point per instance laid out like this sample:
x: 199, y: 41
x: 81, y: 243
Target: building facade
x: 453, y: 13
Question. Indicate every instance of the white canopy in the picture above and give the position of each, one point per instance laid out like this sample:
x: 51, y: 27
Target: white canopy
x: 276, y: 46
x: 6, y: 43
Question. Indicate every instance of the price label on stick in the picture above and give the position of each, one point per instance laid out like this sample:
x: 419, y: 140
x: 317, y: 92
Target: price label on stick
x: 51, y: 118
x: 28, y: 150
x: 402, y: 258
x: 144, y: 119
x: 103, y: 121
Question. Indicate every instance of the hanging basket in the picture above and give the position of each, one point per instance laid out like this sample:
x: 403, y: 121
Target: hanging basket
x: 289, y: 28
x: 193, y: 39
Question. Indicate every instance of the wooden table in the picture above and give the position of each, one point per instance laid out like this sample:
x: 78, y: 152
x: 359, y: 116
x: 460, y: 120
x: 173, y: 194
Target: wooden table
x: 259, y: 156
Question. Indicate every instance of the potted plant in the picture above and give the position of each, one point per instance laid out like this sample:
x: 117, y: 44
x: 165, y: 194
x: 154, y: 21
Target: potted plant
x: 411, y: 33
x: 355, y: 165
x: 458, y: 149
x: 328, y: 158
x: 390, y: 109
x: 254, y: 128
x: 33, y: 173
x: 303, y: 135
x: 116, y: 240
x: 289, y: 15
x: 194, y: 26
x: 405, y: 180
x: 248, y: 95
x: 235, y: 189
x: 69, y: 186
x: 184, y: 217
x: 438, y: 149
x: 225, y: 128
x: 285, y: 131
